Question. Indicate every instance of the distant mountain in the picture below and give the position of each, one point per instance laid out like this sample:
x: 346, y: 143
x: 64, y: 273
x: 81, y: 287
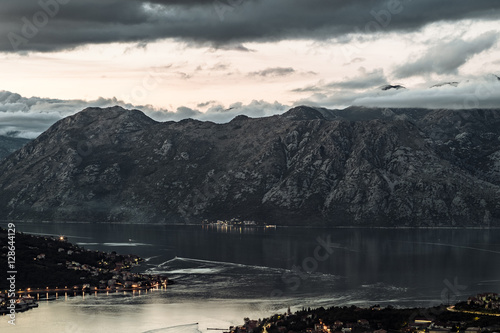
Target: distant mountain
x: 452, y: 84
x: 9, y: 145
x: 358, y: 166
x: 395, y: 87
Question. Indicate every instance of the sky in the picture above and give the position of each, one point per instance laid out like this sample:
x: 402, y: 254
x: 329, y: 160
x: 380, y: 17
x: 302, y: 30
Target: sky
x: 215, y: 59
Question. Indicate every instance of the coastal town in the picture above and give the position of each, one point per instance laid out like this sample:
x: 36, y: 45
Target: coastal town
x: 477, y: 315
x: 50, y: 266
x: 487, y: 301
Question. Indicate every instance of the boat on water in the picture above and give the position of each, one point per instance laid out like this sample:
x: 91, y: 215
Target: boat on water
x: 29, y: 301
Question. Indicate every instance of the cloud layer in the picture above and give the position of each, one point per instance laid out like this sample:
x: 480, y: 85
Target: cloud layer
x: 482, y: 92
x: 49, y: 25
x: 29, y: 117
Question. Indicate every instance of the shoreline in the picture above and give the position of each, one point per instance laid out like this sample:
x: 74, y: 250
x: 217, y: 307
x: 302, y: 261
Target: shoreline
x: 464, y: 317
x: 52, y: 261
x: 278, y: 226
x: 44, y: 295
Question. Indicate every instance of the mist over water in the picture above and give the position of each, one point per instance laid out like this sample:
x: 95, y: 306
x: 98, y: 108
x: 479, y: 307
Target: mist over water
x: 223, y: 275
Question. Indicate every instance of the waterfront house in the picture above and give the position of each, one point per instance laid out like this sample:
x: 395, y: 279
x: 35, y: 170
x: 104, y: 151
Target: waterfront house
x: 30, y: 301
x: 488, y: 300
x: 488, y: 296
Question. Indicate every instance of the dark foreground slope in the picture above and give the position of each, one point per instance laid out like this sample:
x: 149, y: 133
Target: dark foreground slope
x: 356, y: 166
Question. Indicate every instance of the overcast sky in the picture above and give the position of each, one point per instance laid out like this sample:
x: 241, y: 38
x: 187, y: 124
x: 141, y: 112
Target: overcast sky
x: 213, y: 60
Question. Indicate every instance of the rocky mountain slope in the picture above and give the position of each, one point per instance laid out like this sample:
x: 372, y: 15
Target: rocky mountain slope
x: 9, y: 145
x: 358, y: 166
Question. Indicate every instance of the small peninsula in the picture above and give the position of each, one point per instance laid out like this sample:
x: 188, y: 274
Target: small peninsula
x: 46, y: 266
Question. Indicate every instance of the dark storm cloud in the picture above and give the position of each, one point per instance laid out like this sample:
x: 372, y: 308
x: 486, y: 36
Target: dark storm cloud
x: 48, y: 25
x: 446, y: 58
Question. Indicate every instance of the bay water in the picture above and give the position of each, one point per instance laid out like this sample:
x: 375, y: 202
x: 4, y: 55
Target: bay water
x: 223, y: 274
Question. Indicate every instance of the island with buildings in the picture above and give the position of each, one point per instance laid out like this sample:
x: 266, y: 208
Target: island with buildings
x: 236, y: 222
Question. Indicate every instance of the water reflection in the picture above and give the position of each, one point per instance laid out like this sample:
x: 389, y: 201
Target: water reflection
x: 226, y: 273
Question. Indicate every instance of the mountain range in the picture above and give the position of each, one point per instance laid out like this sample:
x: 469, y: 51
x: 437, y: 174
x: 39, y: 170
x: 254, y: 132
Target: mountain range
x: 309, y: 166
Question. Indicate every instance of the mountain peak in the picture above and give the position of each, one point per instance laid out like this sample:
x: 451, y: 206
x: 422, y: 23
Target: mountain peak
x: 452, y: 84
x: 395, y: 87
x: 240, y: 117
x: 93, y: 114
x: 303, y: 113
x: 112, y: 112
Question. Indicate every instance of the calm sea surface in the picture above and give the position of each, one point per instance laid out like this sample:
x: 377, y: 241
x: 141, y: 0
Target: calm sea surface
x: 225, y: 274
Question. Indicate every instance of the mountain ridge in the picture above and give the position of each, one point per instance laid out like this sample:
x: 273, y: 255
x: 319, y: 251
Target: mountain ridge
x: 357, y: 166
